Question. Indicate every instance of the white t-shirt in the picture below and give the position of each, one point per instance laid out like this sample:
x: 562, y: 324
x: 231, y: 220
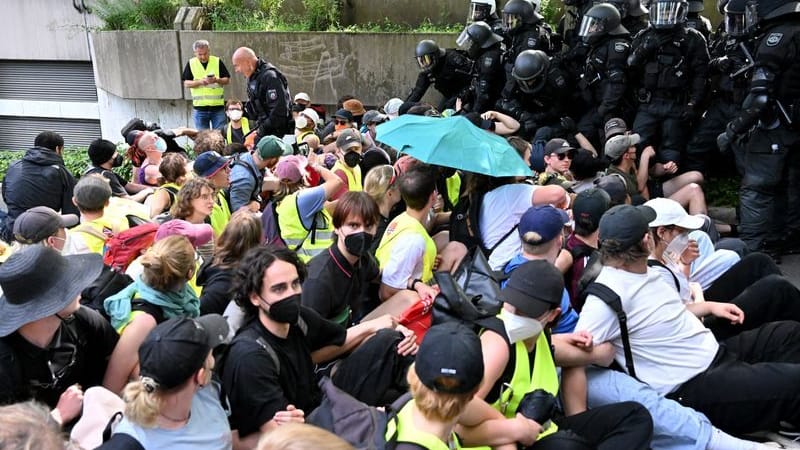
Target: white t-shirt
x: 406, y: 264
x: 669, y: 344
x: 500, y: 211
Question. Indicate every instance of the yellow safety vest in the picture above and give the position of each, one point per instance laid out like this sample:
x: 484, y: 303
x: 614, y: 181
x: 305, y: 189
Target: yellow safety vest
x: 406, y: 224
x: 353, y: 175
x: 206, y: 95
x: 403, y: 429
x: 453, y: 188
x: 220, y: 214
x: 98, y: 231
x: 307, y: 243
x: 245, y: 129
x: 543, y: 376
x: 304, y: 135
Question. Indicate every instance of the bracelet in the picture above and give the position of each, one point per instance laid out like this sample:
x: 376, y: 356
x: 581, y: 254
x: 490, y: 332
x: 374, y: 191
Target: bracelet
x: 414, y: 283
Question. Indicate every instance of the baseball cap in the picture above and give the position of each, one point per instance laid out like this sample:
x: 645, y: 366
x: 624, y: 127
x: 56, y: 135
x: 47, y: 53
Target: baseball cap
x: 618, y: 145
x: 272, y: 147
x: 451, y: 351
x: 670, y: 212
x: 348, y: 138
x: 614, y: 127
x: 615, y: 187
x: 626, y: 224
x: 374, y: 116
x: 540, y: 224
x: 534, y: 288
x: 355, y: 107
x: 132, y: 138
x: 291, y: 168
x: 311, y: 114
x: 589, y: 206
x: 198, y: 234
x: 177, y: 348
x: 302, y: 96
x: 92, y: 192
x: 557, y: 146
x: 209, y: 163
x: 344, y: 114
x: 392, y: 108
x: 41, y: 222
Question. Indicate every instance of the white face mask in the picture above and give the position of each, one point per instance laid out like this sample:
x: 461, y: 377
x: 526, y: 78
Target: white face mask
x: 520, y: 328
x: 235, y: 115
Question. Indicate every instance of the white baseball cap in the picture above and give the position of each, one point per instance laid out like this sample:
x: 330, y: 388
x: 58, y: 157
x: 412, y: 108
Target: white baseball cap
x: 302, y: 96
x: 670, y: 212
x: 392, y: 107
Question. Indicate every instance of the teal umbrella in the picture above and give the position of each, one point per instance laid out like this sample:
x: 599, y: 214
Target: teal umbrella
x: 453, y: 142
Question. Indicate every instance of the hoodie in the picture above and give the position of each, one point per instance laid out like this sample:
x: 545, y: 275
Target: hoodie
x: 216, y: 283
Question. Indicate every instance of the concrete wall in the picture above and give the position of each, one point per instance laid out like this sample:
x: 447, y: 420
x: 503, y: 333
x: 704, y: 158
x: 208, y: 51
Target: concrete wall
x: 115, y: 112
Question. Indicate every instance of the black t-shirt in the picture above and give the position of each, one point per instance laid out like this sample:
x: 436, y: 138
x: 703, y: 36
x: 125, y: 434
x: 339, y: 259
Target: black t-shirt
x: 78, y: 353
x: 333, y: 283
x: 117, y: 182
x: 256, y: 388
x: 223, y: 73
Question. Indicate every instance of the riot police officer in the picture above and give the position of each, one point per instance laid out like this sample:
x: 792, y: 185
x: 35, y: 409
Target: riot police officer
x: 525, y: 30
x: 486, y: 11
x: 670, y: 63
x: 483, y: 46
x: 540, y: 93
x: 449, y: 70
x: 768, y: 128
x: 697, y: 21
x: 604, y: 80
x: 636, y: 18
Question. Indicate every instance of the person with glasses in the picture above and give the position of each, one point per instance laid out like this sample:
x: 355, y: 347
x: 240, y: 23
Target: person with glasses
x: 216, y: 169
x: 195, y: 204
x: 238, y: 126
x: 558, y: 156
x: 51, y: 347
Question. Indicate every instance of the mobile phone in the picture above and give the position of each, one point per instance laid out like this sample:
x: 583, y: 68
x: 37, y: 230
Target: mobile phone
x: 301, y: 148
x: 211, y: 75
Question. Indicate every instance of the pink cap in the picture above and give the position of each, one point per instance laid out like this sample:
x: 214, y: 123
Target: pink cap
x: 198, y: 234
x: 291, y: 168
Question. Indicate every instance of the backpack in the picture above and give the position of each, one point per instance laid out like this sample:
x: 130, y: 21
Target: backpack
x: 270, y: 226
x: 107, y: 284
x: 464, y: 224
x: 121, y: 249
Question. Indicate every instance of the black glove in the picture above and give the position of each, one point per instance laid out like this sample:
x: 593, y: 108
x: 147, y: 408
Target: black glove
x: 568, y: 124
x: 539, y: 406
x: 725, y: 139
x: 723, y: 64
x: 651, y: 43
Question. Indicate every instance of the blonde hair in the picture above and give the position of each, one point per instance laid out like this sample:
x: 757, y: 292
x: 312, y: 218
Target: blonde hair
x: 437, y: 406
x: 301, y: 436
x: 378, y: 181
x: 242, y: 233
x: 28, y: 426
x: 167, y: 262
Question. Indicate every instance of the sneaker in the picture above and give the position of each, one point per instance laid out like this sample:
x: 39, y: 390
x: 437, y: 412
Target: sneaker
x: 788, y: 430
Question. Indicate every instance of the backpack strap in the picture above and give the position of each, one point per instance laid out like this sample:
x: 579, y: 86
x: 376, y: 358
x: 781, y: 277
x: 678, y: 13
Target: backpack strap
x: 657, y: 263
x: 391, y: 417
x: 273, y: 355
x: 497, y: 244
x: 254, y: 196
x: 611, y: 298
x: 90, y: 230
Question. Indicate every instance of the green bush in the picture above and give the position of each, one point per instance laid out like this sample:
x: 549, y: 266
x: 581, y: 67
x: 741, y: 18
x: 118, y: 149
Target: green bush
x: 137, y: 14
x: 76, y: 161
x: 322, y: 15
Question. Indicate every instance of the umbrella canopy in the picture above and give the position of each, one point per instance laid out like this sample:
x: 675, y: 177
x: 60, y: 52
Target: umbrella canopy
x: 453, y: 142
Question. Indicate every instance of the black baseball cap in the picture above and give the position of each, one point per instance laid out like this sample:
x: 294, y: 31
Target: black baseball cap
x: 178, y: 347
x: 589, y: 206
x: 451, y: 351
x: 41, y: 222
x: 534, y: 288
x: 614, y: 127
x: 614, y: 185
x: 626, y: 224
x: 557, y: 146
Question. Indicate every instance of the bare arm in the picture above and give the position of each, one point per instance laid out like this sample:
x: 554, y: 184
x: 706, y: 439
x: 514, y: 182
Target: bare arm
x: 573, y: 390
x: 584, y: 143
x: 548, y: 195
x: 158, y: 202
x: 504, y: 124
x: 125, y: 356
x: 480, y: 424
x: 495, y: 359
x: 577, y: 349
x: 355, y: 336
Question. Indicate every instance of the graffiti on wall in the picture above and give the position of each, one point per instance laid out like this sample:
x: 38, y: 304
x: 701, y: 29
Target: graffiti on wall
x: 319, y: 62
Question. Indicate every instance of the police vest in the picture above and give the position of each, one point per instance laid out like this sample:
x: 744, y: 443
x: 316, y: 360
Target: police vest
x: 206, y: 95
x: 220, y: 214
x: 353, y: 175
x: 403, y: 224
x: 245, y: 129
x: 306, y: 243
x: 402, y: 428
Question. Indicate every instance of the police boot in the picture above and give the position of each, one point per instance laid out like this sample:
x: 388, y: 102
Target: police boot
x: 773, y: 249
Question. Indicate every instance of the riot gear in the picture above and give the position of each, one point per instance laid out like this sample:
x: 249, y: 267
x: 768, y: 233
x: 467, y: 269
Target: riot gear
x: 601, y: 20
x: 735, y: 24
x: 481, y: 10
x: 428, y: 54
x: 668, y: 14
x: 530, y: 70
x: 475, y: 37
x: 517, y: 13
x: 623, y: 6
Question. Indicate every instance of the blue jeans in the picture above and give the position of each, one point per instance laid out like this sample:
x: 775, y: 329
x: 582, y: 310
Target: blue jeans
x: 214, y: 116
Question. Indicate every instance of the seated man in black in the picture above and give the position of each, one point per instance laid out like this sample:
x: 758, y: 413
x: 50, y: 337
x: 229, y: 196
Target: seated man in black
x: 51, y: 347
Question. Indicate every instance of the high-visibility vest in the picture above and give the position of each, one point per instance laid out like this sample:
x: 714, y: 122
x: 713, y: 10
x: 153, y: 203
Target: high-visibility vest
x: 212, y: 95
x: 245, y: 129
x: 353, y: 175
x: 220, y: 214
x: 402, y: 429
x: 406, y: 224
x: 306, y: 243
x: 453, y: 188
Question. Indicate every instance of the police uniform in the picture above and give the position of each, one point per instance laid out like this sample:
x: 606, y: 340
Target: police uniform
x: 699, y: 23
x: 635, y: 24
x: 269, y: 105
x: 451, y: 76
x: 488, y: 80
x: 541, y: 109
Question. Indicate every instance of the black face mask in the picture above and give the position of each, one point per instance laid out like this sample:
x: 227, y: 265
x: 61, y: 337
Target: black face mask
x: 357, y: 244
x: 118, y: 160
x: 286, y: 310
x: 352, y: 159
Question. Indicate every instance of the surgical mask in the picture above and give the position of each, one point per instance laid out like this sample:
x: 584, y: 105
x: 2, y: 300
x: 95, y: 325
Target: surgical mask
x: 520, y: 328
x: 161, y: 145
x: 235, y: 115
x: 352, y: 159
x: 672, y: 254
x: 357, y: 244
x: 286, y: 310
x: 118, y: 160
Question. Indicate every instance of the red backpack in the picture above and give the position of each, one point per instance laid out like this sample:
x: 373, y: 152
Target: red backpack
x: 122, y: 248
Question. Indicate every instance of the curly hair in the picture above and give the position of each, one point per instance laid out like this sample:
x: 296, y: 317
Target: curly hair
x: 209, y: 140
x: 249, y: 276
x: 192, y: 190
x: 28, y: 426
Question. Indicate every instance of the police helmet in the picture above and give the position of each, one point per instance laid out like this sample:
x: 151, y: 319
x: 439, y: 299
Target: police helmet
x: 530, y: 70
x: 428, y: 54
x: 519, y: 12
x: 476, y: 36
x: 481, y: 10
x: 758, y: 11
x: 735, y: 24
x: 600, y: 20
x: 668, y: 14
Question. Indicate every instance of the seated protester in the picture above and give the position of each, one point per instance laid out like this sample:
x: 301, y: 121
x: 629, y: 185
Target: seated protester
x: 238, y: 125
x: 558, y: 156
x: 303, y: 211
x: 153, y: 147
x: 29, y: 425
x: 104, y: 157
x: 380, y: 184
x: 342, y: 120
x: 175, y: 403
x: 216, y: 169
x: 541, y: 232
x: 348, y: 150
x: 208, y: 141
x: 194, y: 204
x: 748, y: 383
x: 306, y: 127
x: 337, y: 282
x: 173, y: 176
x: 160, y: 293
x: 268, y: 371
x: 615, y: 186
x: 763, y: 294
x: 247, y: 173
x: 621, y: 152
x: 91, y: 196
x: 301, y: 436
x: 518, y: 360
x: 43, y: 226
x: 587, y: 209
x: 586, y: 168
x: 242, y: 233
x: 374, y: 154
x: 51, y: 347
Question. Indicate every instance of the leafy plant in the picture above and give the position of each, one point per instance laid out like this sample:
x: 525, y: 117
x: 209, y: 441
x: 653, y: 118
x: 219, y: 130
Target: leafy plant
x: 158, y: 14
x: 76, y: 160
x: 137, y: 14
x: 117, y: 14
x: 322, y: 15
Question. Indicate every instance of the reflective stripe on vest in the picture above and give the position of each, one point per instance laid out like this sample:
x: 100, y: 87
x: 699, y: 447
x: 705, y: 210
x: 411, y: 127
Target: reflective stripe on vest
x: 206, y: 95
x: 403, y: 425
x: 307, y: 243
x: 220, y: 214
x: 406, y: 224
x: 245, y: 129
x: 353, y: 175
x: 453, y: 188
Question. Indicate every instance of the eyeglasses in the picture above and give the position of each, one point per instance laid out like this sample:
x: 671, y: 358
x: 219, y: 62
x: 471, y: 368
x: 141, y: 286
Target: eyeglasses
x: 568, y: 154
x: 60, y: 362
x: 340, y: 122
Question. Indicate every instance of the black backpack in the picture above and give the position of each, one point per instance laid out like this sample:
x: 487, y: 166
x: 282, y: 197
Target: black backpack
x: 107, y: 284
x: 464, y: 224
